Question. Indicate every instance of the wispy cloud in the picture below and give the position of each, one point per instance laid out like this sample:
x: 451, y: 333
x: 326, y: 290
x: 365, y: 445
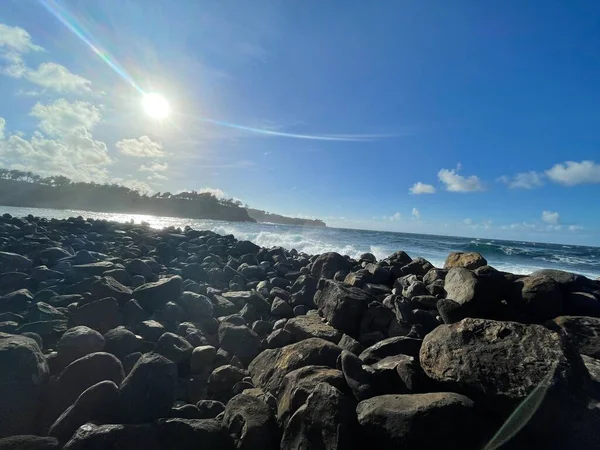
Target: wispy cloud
x: 524, y: 180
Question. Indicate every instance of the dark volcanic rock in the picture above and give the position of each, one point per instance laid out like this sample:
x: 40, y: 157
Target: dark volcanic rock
x: 299, y: 384
x: 342, y: 306
x: 174, y: 347
x: 251, y: 423
x: 500, y: 363
x: 327, y: 264
x: 327, y: 421
x: 270, y: 367
x: 583, y: 332
x: 78, y: 342
x: 542, y: 298
x: 438, y: 420
x: 29, y: 442
x: 15, y: 301
x: 153, y: 296
x: 100, y: 315
x: 209, y: 409
x: 356, y: 376
x: 96, y: 403
x: 109, y: 287
x: 305, y: 327
x: 148, y: 391
x: 222, y: 380
x: 197, y: 306
x: 240, y: 341
x: 121, y: 342
x: 23, y: 382
x: 303, y: 291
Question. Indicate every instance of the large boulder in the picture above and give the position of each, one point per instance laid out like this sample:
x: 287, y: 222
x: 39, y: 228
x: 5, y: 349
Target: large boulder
x: 96, y: 403
x: 501, y: 363
x: 79, y: 376
x: 327, y: 264
x: 121, y: 342
x: 436, y: 420
x: 470, y: 260
x: 541, y: 296
x: 23, y: 382
x: 148, y: 391
x: 251, y: 423
x: 343, y: 306
x: 326, y: 421
x: 304, y: 327
x: 480, y: 297
x: 153, y: 296
x: 583, y: 332
x: 78, y: 342
x: 14, y: 261
x: 299, y: 384
x: 269, y: 369
x: 222, y: 380
x: 174, y: 347
x: 15, y: 301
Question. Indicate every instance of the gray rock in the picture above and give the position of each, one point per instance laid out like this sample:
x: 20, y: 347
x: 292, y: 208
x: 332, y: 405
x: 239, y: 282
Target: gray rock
x: 342, y: 306
x: 303, y: 291
x: 269, y: 368
x: 356, y: 376
x: 29, y: 442
x: 222, y: 380
x: 350, y: 344
x: 583, y: 332
x: 202, y: 358
x: 209, y: 409
x: 469, y: 260
x: 14, y: 261
x: 23, y: 383
x: 279, y: 338
x: 542, y: 298
x: 304, y: 327
x: 327, y: 264
x: 240, y: 341
x: 100, y: 315
x: 197, y: 306
x: 281, y: 308
x: 174, y: 348
x: 405, y: 421
x: 15, y: 301
x: 109, y: 287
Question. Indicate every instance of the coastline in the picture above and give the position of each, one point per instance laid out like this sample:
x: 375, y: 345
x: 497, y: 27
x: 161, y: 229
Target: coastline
x: 97, y: 317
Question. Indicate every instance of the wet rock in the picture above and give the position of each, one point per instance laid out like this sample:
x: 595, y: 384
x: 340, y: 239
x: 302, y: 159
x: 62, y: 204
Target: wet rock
x: 406, y: 421
x: 270, y: 367
x: 342, y: 306
x: 23, y: 383
x: 148, y: 391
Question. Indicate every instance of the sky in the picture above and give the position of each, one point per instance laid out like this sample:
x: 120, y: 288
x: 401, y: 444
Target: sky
x: 463, y: 118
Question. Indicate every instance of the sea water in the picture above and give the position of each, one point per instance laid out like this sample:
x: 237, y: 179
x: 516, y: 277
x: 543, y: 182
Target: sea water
x: 519, y: 257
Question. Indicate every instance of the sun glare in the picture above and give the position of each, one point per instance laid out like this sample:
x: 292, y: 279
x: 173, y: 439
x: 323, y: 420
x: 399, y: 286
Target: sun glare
x: 156, y: 106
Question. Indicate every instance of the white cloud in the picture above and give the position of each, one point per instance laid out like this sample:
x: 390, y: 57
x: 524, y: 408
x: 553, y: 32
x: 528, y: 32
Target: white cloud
x: 457, y: 183
x: 571, y: 173
x: 416, y: 214
x: 63, y: 117
x: 58, y: 78
x: 422, y: 188
x: 395, y: 217
x: 468, y: 221
x: 2, y: 126
x: 71, y: 149
x: 575, y: 227
x: 216, y: 192
x: 550, y: 217
x: 524, y: 180
x: 14, y: 43
x: 143, y: 147
x: 154, y: 167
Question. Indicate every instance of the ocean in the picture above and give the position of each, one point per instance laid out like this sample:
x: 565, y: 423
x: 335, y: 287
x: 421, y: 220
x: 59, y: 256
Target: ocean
x: 518, y: 257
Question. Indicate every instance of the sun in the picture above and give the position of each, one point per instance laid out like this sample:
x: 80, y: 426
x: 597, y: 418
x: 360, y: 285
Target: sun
x: 156, y: 106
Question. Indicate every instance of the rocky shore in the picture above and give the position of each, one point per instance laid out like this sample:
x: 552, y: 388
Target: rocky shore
x: 118, y: 336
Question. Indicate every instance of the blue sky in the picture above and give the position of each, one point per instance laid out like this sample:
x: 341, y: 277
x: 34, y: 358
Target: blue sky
x: 464, y: 117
